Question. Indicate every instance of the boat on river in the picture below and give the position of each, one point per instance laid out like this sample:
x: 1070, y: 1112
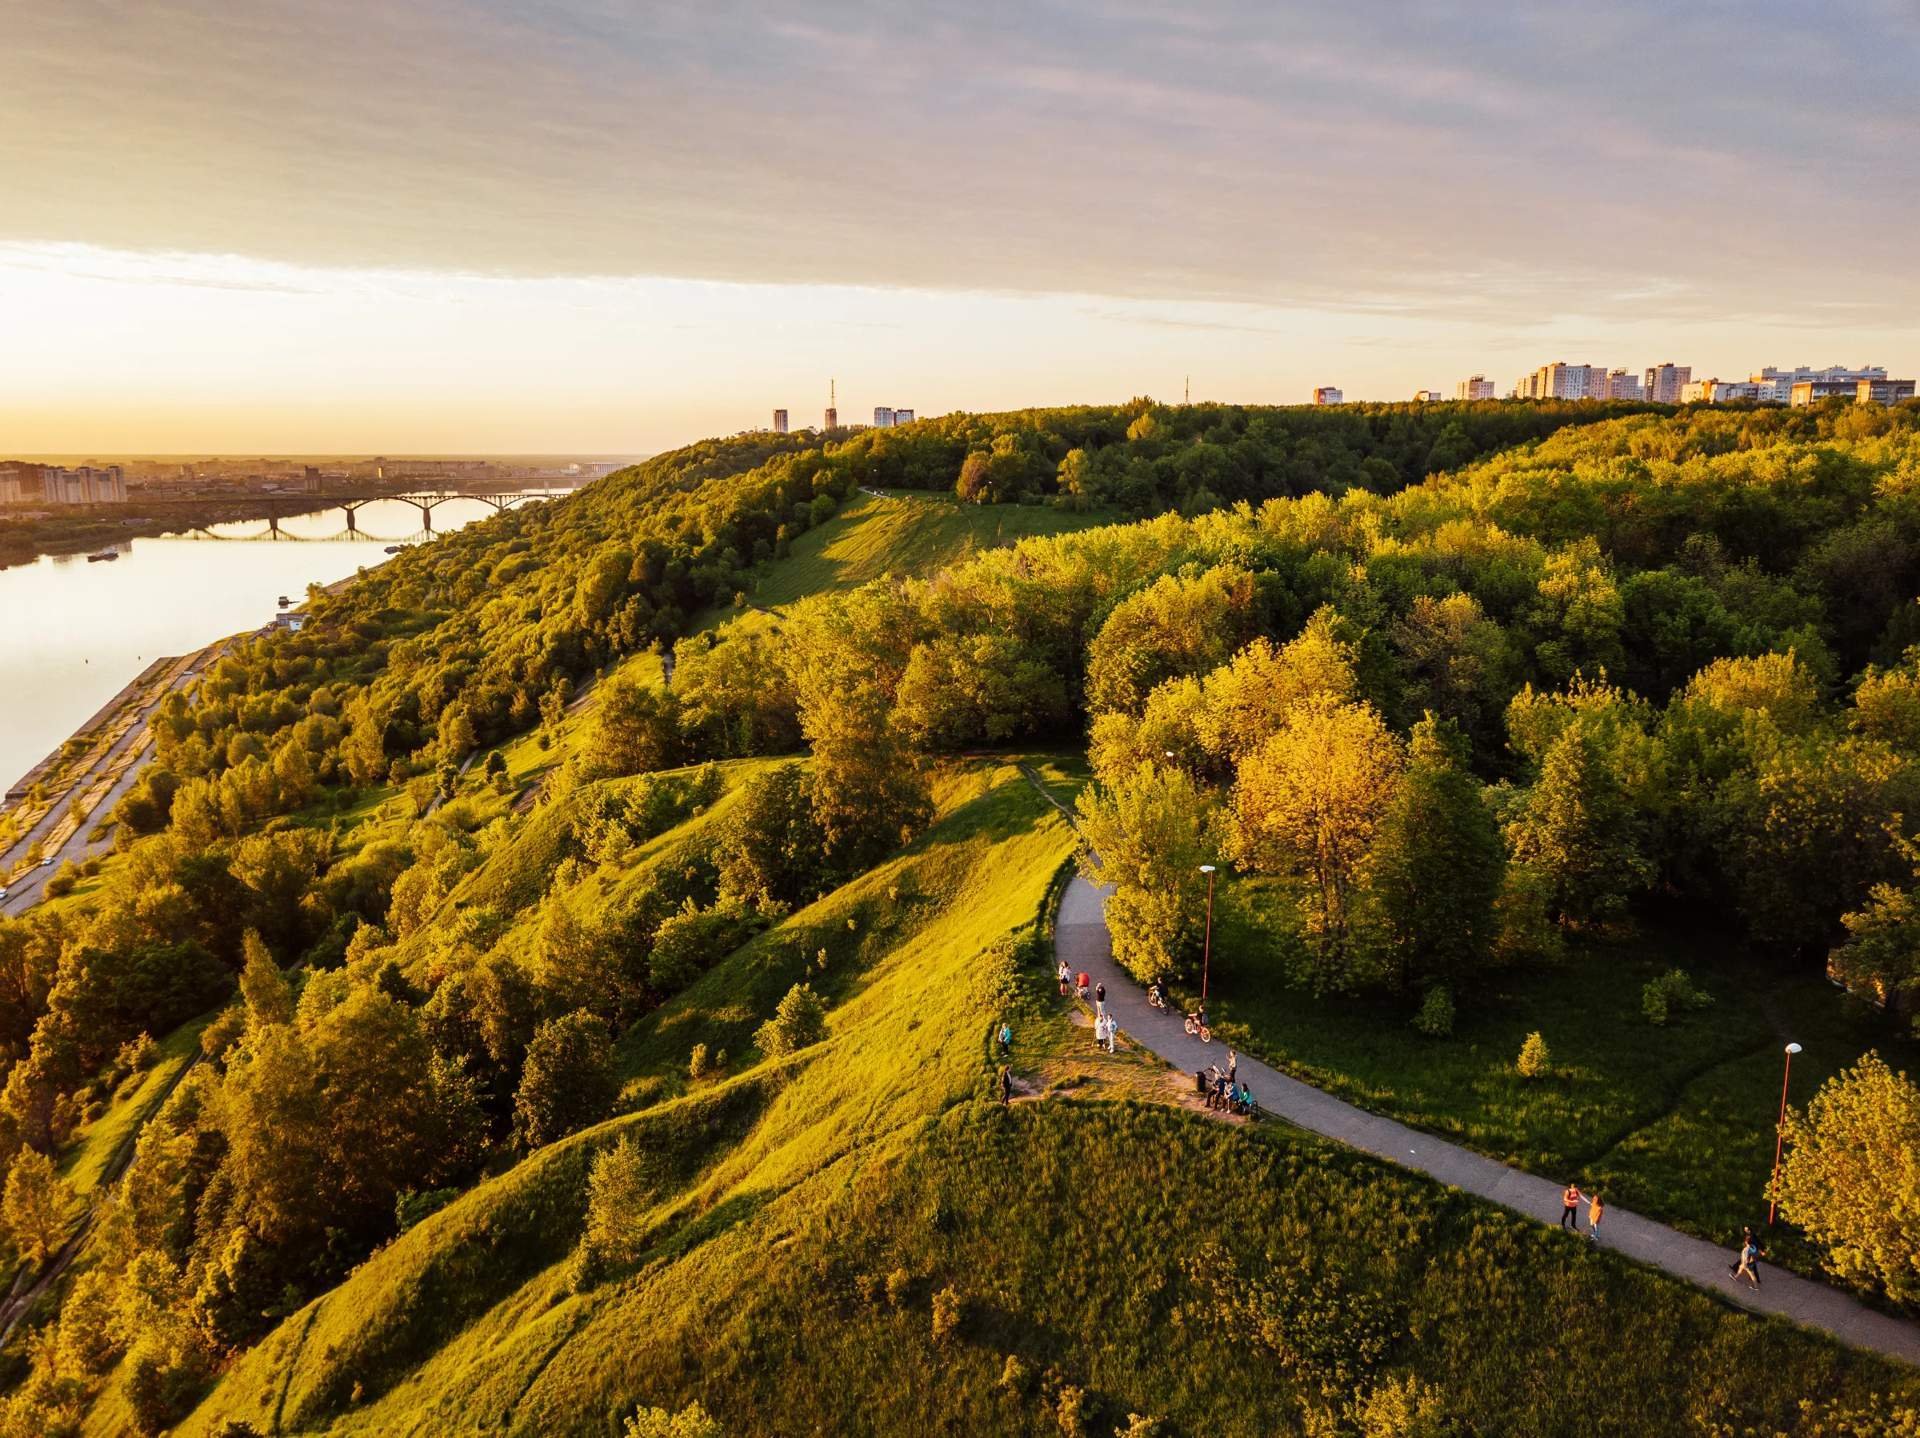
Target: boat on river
x: 101, y: 555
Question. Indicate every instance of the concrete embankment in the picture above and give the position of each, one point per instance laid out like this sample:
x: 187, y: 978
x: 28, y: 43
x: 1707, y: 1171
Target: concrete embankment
x: 91, y: 729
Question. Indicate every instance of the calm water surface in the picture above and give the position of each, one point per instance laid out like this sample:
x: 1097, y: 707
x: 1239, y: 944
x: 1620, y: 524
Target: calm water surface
x: 72, y: 633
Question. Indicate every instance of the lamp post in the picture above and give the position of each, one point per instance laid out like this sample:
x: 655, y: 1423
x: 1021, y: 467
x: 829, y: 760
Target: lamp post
x: 1206, y: 954
x: 1780, y: 1136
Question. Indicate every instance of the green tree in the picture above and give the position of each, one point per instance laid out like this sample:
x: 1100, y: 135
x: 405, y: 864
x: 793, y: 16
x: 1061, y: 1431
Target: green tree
x: 268, y: 998
x: 1147, y: 833
x: 1434, y: 872
x: 1851, y: 1167
x: 636, y: 728
x: 1579, y: 831
x: 34, y: 1206
x: 568, y: 1081
x: 769, y: 847
x: 1308, y: 803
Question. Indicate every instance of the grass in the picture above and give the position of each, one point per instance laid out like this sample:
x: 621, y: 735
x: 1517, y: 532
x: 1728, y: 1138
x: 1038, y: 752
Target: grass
x: 1100, y: 1235
x: 1676, y: 1122
x: 903, y: 533
x: 87, y: 1157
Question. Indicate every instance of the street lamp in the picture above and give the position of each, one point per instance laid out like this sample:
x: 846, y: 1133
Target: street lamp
x: 1780, y: 1136
x: 1206, y: 954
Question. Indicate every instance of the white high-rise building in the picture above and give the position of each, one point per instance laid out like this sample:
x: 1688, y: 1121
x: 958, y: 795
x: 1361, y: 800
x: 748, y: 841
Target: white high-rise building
x: 1427, y: 396
x: 1328, y: 394
x: 1665, y: 383
x: 882, y: 417
x: 1475, y: 387
x: 1622, y: 384
x: 779, y: 421
x: 902, y: 416
x: 1564, y: 381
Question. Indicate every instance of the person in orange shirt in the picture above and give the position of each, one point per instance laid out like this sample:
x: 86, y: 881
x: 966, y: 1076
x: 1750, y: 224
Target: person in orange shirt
x: 1596, y: 1210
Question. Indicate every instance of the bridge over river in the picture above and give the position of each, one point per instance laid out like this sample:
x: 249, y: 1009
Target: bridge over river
x: 278, y: 508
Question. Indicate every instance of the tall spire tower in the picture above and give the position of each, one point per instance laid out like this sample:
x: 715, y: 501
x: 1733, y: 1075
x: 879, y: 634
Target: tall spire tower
x: 833, y: 410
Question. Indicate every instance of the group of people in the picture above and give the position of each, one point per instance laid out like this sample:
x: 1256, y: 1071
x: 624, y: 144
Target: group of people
x: 1570, y: 1202
x: 1746, y: 1262
x: 1221, y: 1088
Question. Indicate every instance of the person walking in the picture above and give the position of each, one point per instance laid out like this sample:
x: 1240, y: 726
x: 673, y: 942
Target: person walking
x: 1570, y: 1207
x: 1006, y: 1086
x: 1749, y: 1265
x: 1066, y: 978
x: 1006, y: 1039
x: 1113, y: 1026
x: 1100, y: 996
x: 1596, y: 1210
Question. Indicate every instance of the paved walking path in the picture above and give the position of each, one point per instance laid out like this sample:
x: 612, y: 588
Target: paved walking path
x: 1081, y: 938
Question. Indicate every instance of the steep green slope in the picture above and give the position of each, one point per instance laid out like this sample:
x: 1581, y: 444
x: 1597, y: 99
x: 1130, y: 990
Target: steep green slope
x: 903, y: 534
x: 1105, y: 1258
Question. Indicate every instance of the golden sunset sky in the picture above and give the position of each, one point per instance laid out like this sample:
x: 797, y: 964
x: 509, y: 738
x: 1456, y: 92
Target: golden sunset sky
x: 595, y: 227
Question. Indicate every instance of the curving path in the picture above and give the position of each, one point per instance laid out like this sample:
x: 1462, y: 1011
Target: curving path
x: 1080, y: 937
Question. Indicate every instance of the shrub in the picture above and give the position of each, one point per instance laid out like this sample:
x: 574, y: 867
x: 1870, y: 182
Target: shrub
x: 1016, y: 1375
x: 899, y: 1285
x: 1535, y: 1060
x: 65, y: 879
x: 1139, y: 1425
x: 1672, y: 992
x: 949, y: 1311
x: 138, y: 1054
x: 1070, y: 1410
x: 690, y: 1422
x: 1435, y: 1018
x: 800, y: 1020
x: 1402, y: 1408
x: 411, y: 1207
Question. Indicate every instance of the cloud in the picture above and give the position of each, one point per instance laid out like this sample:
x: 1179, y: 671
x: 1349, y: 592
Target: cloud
x: 1446, y: 159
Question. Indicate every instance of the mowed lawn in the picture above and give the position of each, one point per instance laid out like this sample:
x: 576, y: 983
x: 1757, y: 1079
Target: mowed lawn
x: 1675, y: 1121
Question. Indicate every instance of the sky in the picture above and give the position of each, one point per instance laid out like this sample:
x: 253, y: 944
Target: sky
x: 595, y: 226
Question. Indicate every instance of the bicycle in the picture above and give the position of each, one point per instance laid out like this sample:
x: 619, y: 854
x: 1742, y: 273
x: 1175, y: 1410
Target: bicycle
x: 1197, y: 1028
x: 1156, y: 999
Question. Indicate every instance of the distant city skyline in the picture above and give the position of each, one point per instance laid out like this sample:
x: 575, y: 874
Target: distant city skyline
x: 569, y: 227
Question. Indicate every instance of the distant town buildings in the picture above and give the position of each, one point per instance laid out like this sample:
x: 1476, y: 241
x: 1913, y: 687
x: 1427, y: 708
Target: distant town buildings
x: 903, y: 416
x: 1426, y: 396
x: 1474, y: 387
x: 23, y: 483
x: 833, y: 409
x: 1666, y: 383
x: 882, y: 417
x: 1801, y: 386
x: 1328, y: 394
x: 779, y: 421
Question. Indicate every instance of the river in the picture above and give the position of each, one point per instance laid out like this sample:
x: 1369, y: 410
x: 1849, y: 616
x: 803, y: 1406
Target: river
x: 73, y: 633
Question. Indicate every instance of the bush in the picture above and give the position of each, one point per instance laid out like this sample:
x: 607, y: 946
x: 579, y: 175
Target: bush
x: 800, y: 1020
x: 1016, y: 1375
x: 1070, y: 1410
x: 899, y: 1285
x: 1536, y: 1060
x: 949, y: 1311
x: 65, y: 879
x: 1673, y: 992
x: 690, y: 1422
x: 1435, y: 1018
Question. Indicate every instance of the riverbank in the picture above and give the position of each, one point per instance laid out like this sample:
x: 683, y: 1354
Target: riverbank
x: 59, y: 811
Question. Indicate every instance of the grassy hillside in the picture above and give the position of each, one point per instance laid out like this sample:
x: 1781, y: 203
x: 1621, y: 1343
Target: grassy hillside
x: 876, y: 534
x: 1105, y: 1258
